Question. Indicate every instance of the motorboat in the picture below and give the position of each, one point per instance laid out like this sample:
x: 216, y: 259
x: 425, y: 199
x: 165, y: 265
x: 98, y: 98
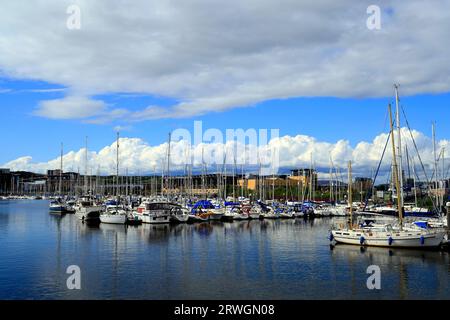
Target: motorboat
x: 58, y: 207
x: 154, y: 212
x: 113, y: 215
x: 87, y: 209
x: 179, y: 214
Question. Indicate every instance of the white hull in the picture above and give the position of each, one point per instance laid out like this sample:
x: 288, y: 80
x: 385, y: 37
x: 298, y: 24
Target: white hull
x: 113, y: 218
x: 215, y: 216
x: 154, y: 219
x: 241, y: 217
x: 179, y: 218
x: 88, y: 213
x: 229, y: 216
x: 404, y: 239
x: 58, y: 209
x: 195, y: 218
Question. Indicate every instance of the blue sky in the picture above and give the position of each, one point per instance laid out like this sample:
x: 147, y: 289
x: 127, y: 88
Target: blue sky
x: 326, y: 119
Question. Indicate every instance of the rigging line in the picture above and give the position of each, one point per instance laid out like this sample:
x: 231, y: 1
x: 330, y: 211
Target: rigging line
x: 377, y: 172
x: 448, y: 171
x: 441, y: 156
x: 420, y: 158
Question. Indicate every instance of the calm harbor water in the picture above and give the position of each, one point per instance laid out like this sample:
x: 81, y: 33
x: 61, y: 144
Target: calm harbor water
x: 282, y: 259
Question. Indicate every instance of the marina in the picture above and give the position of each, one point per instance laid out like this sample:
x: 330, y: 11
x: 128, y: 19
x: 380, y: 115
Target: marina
x: 230, y: 157
x: 267, y: 259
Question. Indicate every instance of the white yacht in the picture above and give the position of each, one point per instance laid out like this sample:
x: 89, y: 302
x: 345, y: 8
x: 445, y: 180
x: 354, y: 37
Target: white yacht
x: 387, y: 235
x: 86, y: 209
x: 154, y: 212
x: 58, y: 207
x: 390, y: 236
x: 179, y: 214
x: 114, y: 215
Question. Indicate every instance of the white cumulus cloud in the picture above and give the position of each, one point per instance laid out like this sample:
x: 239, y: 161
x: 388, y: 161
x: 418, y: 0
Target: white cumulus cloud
x: 211, y: 56
x: 138, y: 157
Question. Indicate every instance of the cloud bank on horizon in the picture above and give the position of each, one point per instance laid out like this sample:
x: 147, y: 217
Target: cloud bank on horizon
x: 215, y: 56
x: 138, y: 157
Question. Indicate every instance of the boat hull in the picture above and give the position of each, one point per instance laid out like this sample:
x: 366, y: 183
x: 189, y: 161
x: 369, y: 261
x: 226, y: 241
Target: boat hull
x: 58, y: 209
x: 215, y: 216
x: 89, y: 214
x: 155, y: 219
x: 194, y: 218
x: 241, y: 217
x: 177, y: 218
x: 113, y: 218
x: 432, y: 240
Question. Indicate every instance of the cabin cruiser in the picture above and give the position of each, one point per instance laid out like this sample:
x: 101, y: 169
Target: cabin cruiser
x: 154, y: 212
x: 113, y: 214
x: 58, y: 206
x: 87, y: 209
x: 179, y: 214
x: 204, y: 210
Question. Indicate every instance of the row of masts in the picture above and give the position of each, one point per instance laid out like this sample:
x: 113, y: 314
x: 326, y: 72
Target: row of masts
x: 305, y: 191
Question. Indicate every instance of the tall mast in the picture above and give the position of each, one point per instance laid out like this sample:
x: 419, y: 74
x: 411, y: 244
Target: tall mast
x: 399, y: 148
x: 436, y: 180
x: 60, y: 171
x: 310, y: 179
x: 117, y: 166
x: 331, y: 180
x: 350, y: 193
x: 168, y: 167
x: 234, y: 173
x: 443, y: 176
x: 395, y: 171
x: 415, y: 185
x: 86, y: 167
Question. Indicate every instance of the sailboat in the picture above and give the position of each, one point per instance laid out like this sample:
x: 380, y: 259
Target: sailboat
x: 388, y: 235
x: 58, y: 206
x: 115, y: 214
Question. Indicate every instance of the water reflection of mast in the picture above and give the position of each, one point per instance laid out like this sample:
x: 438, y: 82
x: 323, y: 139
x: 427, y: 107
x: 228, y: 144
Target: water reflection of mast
x: 58, y: 247
x: 403, y: 281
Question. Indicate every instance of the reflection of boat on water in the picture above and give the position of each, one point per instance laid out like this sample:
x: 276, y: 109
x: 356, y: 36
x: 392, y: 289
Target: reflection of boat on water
x: 111, y: 227
x: 383, y: 256
x: 204, y: 229
x: 156, y: 232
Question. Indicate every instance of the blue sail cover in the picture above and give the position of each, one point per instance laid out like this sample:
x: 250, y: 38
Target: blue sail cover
x: 421, y: 224
x: 203, y: 204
